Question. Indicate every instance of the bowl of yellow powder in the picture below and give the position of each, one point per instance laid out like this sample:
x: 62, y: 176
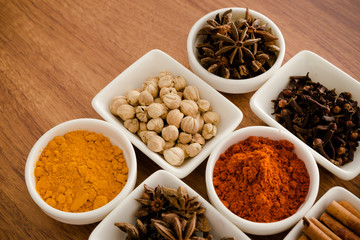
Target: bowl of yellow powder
x: 80, y: 170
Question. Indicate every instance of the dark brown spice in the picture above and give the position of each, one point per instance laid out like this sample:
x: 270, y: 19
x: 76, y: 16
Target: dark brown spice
x: 168, y: 214
x: 327, y: 122
x: 241, y: 49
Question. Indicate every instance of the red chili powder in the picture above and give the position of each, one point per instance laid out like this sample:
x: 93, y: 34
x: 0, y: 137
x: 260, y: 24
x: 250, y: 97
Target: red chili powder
x: 261, y: 180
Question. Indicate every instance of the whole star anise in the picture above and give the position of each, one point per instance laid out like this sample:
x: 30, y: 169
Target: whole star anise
x: 168, y: 214
x: 217, y: 25
x: 241, y: 49
x: 237, y: 44
x: 214, y: 63
x: 151, y: 201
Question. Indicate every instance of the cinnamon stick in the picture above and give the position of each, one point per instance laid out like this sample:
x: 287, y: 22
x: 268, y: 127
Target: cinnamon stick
x: 344, y: 216
x: 303, y: 237
x: 313, y: 232
x: 323, y: 228
x: 338, y: 228
x: 350, y: 208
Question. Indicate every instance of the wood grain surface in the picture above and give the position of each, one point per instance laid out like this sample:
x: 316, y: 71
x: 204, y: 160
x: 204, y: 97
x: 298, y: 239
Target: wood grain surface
x: 55, y: 56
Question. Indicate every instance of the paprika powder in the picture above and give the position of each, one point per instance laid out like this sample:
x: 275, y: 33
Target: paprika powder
x: 261, y: 180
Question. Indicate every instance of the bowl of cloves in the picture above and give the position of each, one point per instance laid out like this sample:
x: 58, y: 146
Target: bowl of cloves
x: 235, y: 49
x: 318, y: 103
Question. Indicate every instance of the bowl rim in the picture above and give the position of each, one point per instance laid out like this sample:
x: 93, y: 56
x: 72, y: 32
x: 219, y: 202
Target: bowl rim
x: 259, y: 111
x: 183, y: 170
x: 247, y: 225
x: 37, y: 149
x: 192, y: 36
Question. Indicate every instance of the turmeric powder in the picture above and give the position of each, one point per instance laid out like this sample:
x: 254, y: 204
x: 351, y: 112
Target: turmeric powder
x: 80, y: 171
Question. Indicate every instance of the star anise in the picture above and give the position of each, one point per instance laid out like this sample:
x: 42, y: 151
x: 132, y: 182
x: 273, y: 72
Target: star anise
x: 175, y: 228
x: 254, y: 27
x: 214, y: 63
x: 246, y: 49
x: 184, y: 205
x: 168, y: 214
x: 132, y: 231
x: 151, y: 201
x: 238, y: 44
x: 218, y: 24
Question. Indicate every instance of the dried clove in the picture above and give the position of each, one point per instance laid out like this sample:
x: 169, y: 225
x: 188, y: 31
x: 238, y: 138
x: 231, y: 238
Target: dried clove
x: 327, y: 122
x: 318, y: 145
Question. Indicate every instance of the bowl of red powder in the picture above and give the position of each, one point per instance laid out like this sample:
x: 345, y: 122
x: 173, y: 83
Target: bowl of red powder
x: 263, y: 179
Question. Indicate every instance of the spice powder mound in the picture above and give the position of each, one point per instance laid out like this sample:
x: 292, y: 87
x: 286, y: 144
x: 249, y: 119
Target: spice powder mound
x: 261, y: 180
x: 80, y: 171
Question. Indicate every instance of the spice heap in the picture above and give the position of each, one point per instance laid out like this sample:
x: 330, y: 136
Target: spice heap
x: 169, y: 214
x: 261, y: 180
x: 240, y: 49
x: 80, y: 171
x: 340, y: 221
x: 326, y: 122
x: 169, y: 116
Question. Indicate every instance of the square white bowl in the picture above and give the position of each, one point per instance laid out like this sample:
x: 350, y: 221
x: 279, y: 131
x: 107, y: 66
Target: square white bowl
x: 320, y: 71
x: 335, y: 193
x: 149, y: 65
x: 125, y: 211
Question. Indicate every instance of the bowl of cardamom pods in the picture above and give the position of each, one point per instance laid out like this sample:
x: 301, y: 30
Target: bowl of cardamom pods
x: 235, y: 50
x: 167, y: 112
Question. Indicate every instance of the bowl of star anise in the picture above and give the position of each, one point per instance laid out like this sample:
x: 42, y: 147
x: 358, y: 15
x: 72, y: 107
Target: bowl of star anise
x: 163, y: 207
x: 235, y: 50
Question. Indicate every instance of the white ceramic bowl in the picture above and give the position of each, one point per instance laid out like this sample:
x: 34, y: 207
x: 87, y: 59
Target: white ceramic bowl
x: 232, y: 85
x: 149, y: 65
x: 274, y: 134
x: 320, y: 71
x: 125, y: 211
x: 335, y: 193
x: 116, y: 137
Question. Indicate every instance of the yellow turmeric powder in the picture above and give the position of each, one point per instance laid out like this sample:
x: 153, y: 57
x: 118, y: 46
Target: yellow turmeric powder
x: 80, y: 171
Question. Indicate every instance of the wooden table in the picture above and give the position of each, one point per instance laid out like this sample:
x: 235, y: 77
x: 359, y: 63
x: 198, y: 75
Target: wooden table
x: 56, y: 55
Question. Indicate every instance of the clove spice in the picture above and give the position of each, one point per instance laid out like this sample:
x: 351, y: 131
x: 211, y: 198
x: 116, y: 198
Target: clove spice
x: 327, y: 122
x: 168, y: 214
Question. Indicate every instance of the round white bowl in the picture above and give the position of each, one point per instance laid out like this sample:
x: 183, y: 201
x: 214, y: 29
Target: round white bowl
x: 232, y: 85
x: 116, y: 137
x: 301, y: 152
